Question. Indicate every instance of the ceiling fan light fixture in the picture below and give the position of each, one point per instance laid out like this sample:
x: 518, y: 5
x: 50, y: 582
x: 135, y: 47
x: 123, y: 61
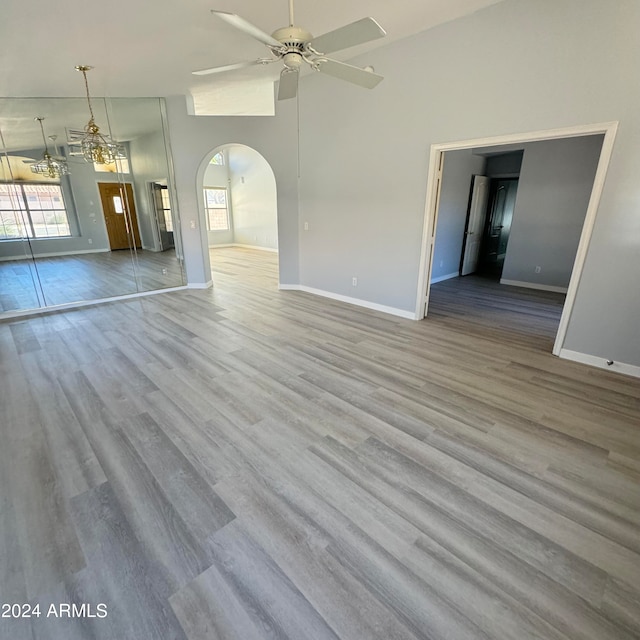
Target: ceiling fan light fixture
x: 292, y: 61
x: 95, y: 146
x: 49, y: 166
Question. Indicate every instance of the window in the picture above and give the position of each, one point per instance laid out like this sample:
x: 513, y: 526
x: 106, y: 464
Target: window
x: 215, y: 206
x: 32, y: 211
x: 218, y: 158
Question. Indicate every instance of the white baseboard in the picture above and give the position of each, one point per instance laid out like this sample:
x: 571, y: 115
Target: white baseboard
x: 410, y: 315
x: 533, y: 285
x: 447, y: 277
x: 242, y: 246
x: 253, y: 246
x: 53, y: 254
x: 601, y: 363
x: 200, y: 285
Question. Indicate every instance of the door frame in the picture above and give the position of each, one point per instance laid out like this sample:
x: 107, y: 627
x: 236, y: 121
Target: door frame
x: 432, y: 204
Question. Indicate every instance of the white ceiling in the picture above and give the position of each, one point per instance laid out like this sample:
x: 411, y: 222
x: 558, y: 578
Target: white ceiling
x: 149, y: 47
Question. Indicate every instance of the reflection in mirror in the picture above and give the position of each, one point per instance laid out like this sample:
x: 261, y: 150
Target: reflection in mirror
x: 145, y: 184
x: 96, y: 232
x: 19, y: 286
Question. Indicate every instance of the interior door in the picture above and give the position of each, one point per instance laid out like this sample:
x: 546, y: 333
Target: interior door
x: 475, y: 223
x: 162, y: 208
x: 120, y: 217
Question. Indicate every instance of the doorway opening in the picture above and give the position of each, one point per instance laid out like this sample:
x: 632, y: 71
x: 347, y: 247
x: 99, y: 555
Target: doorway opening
x: 239, y: 211
x: 522, y: 228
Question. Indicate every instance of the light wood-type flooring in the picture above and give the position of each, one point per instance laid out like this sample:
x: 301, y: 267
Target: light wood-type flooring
x: 29, y: 284
x: 243, y: 463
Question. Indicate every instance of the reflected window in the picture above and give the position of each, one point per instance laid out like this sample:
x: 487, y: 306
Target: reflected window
x: 218, y: 158
x: 117, y: 204
x: 215, y: 205
x: 32, y: 211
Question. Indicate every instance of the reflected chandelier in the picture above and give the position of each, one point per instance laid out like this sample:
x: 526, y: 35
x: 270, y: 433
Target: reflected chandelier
x: 95, y: 146
x: 50, y: 166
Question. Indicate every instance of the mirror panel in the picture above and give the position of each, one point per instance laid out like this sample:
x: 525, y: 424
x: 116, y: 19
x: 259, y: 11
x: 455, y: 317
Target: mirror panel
x: 19, y: 286
x: 148, y: 201
x: 102, y: 230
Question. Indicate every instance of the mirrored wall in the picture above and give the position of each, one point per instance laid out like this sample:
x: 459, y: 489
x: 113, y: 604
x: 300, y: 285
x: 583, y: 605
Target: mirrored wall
x: 91, y: 230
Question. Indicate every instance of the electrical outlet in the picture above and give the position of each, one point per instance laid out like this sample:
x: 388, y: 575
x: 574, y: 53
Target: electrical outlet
x: 192, y: 224
x: 354, y: 281
x: 441, y: 263
x: 538, y: 269
x: 164, y: 272
x: 306, y: 226
x: 90, y: 240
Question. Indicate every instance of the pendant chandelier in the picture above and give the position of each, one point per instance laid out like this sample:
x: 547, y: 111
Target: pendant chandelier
x: 95, y: 146
x: 50, y: 166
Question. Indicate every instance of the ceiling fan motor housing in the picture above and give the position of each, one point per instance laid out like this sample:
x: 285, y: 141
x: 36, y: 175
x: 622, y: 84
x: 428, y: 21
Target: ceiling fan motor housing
x: 294, y: 37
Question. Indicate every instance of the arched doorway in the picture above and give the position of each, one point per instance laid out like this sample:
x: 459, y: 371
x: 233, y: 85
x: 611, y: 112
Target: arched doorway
x: 238, y: 208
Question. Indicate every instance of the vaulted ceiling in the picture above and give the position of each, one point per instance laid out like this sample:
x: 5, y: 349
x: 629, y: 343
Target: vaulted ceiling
x: 150, y: 47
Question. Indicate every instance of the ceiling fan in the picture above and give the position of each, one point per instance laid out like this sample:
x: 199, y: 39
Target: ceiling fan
x: 295, y: 46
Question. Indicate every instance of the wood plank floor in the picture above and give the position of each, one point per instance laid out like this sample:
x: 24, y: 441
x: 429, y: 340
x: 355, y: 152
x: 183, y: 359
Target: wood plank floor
x: 516, y: 315
x: 244, y: 463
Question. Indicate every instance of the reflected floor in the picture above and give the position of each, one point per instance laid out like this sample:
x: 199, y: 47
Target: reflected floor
x: 90, y: 276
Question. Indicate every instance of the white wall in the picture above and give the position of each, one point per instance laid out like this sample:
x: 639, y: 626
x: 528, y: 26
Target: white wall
x: 364, y: 153
x: 556, y: 180
x: 253, y: 198
x: 458, y: 169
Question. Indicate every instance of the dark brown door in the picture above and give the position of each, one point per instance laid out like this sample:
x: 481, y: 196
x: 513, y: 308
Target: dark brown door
x: 119, y: 214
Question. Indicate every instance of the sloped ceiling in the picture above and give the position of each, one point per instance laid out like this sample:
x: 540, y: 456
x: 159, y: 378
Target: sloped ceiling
x: 149, y: 47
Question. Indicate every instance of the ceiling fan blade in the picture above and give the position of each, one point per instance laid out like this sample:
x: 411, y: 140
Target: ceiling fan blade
x: 248, y: 28
x: 288, y: 84
x: 348, y: 36
x: 355, y: 75
x: 231, y: 67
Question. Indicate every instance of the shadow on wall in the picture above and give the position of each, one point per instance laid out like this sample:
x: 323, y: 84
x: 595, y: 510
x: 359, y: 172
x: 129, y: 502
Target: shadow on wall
x: 239, y: 193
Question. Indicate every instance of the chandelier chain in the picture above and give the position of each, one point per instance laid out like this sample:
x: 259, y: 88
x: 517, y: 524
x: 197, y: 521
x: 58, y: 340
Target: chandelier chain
x: 86, y: 86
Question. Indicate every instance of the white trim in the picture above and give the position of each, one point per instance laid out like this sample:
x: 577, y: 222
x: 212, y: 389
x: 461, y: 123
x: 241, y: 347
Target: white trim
x: 402, y: 313
x: 85, y: 303
x: 447, y: 277
x: 242, y: 246
x: 601, y: 363
x: 609, y: 130
x: 533, y: 285
x: 200, y: 285
x: 253, y: 246
x: 54, y: 254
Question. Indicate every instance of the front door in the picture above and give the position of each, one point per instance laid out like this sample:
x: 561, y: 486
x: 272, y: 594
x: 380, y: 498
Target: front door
x: 120, y: 217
